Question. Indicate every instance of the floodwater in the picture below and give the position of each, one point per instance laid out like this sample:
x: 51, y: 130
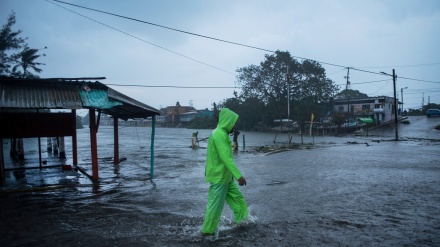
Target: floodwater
x: 331, y: 191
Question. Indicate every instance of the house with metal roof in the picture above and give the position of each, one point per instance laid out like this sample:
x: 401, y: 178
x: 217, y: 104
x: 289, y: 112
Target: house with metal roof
x: 24, y: 101
x: 380, y: 109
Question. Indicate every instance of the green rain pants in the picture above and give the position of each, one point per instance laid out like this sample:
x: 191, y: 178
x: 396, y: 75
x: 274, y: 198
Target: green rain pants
x: 217, y: 195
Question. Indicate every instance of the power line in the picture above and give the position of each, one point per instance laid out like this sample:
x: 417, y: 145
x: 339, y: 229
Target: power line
x: 381, y: 87
x: 134, y: 85
x: 366, y: 82
x: 157, y: 25
x: 402, y: 66
x: 212, y: 38
x: 406, y: 78
x: 158, y: 46
x: 191, y: 33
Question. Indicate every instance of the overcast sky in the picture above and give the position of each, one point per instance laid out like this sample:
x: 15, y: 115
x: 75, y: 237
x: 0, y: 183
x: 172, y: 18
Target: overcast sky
x: 370, y: 35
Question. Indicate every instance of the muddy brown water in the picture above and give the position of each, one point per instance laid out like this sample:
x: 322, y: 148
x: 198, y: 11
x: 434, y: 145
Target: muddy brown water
x: 333, y: 191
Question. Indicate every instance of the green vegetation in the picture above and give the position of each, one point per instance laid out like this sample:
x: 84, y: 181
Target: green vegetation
x: 15, y: 53
x: 265, y: 91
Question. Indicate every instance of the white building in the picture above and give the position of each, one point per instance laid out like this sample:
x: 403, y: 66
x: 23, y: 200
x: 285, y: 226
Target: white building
x: 380, y: 109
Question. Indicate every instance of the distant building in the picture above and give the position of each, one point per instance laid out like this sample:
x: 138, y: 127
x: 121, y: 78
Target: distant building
x: 174, y: 113
x: 380, y: 109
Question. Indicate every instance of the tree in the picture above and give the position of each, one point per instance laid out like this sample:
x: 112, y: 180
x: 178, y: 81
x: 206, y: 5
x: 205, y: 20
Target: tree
x: 9, y: 41
x: 350, y: 94
x: 307, y: 86
x: 204, y: 122
x: 27, y: 61
x: 247, y: 118
x: 339, y: 119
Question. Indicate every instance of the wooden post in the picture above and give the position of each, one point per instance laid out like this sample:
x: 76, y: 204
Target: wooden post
x: 39, y: 153
x: 116, y: 140
x: 62, y: 148
x: 49, y: 144
x: 244, y: 144
x: 93, y: 145
x: 74, y: 141
x: 13, y: 151
x: 20, y: 149
x: 2, y: 162
x: 153, y: 128
x: 55, y: 145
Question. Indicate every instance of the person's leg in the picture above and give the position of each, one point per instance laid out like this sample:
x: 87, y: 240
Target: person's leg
x: 236, y: 201
x: 216, y: 201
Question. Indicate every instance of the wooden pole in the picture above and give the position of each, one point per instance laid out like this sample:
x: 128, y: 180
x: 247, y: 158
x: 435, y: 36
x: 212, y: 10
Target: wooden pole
x: 395, y: 106
x: 93, y: 145
x: 62, y: 148
x: 153, y: 128
x: 39, y: 153
x: 116, y: 140
x: 2, y: 162
x: 74, y: 141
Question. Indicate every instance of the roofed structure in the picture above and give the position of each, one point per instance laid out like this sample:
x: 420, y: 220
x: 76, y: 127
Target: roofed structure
x: 25, y: 101
x: 70, y: 93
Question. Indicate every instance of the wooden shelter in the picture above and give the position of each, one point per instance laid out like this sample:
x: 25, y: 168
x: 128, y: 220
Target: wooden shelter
x: 25, y: 101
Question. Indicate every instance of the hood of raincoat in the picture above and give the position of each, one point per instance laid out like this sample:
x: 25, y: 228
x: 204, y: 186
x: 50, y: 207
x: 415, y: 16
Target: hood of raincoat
x: 227, y: 119
x: 220, y: 166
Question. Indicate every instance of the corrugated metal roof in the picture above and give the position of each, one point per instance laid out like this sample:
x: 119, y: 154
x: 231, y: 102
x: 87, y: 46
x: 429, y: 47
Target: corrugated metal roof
x: 129, y: 107
x: 59, y: 93
x: 27, y: 94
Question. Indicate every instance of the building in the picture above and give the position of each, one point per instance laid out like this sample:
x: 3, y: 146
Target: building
x: 175, y: 114
x: 25, y: 106
x: 380, y: 109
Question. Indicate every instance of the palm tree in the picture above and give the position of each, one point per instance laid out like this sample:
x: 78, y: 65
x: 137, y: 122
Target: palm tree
x: 27, y: 62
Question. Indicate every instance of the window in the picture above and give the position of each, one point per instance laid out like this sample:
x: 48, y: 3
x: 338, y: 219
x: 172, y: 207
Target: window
x: 341, y: 108
x: 365, y: 107
x: 377, y: 106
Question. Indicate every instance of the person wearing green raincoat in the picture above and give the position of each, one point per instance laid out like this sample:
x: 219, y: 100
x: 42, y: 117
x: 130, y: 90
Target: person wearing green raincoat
x: 220, y: 172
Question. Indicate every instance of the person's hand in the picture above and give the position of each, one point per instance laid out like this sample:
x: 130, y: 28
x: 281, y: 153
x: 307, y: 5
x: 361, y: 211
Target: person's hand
x: 242, y: 181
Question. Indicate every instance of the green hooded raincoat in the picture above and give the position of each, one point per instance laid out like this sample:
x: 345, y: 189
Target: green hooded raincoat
x: 220, y: 172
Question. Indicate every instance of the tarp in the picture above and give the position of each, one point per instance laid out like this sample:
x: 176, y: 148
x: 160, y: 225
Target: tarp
x: 97, y: 98
x: 365, y: 120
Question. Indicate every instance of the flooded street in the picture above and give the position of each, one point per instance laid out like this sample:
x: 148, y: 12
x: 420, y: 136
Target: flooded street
x: 332, y: 191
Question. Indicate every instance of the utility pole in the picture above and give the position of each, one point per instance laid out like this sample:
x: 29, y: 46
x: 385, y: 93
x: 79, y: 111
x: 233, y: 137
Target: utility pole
x: 395, y: 105
x: 401, y: 91
x: 395, y: 102
x: 288, y: 102
x: 347, y: 86
x: 288, y: 94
